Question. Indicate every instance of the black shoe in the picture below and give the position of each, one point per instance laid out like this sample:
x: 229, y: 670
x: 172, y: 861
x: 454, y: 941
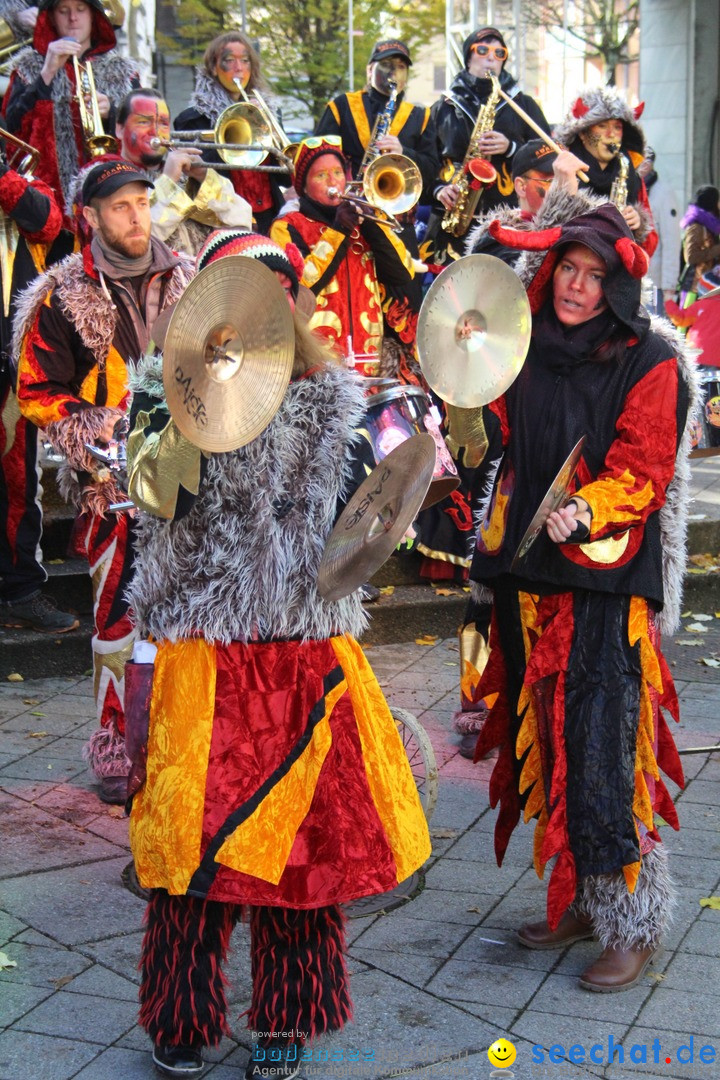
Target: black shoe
x: 369, y: 593
x: 113, y: 790
x: 38, y: 612
x: 276, y: 1060
x: 178, y: 1060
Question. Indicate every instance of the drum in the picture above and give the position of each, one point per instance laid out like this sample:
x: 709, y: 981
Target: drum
x: 395, y: 415
x: 706, y: 429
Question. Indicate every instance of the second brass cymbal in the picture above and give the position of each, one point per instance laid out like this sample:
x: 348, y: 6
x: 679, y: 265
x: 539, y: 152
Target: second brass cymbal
x: 228, y: 354
x: 473, y: 331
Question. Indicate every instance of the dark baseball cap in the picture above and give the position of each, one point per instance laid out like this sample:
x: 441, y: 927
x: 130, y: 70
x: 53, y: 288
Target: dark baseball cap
x: 393, y: 47
x: 108, y: 176
x: 534, y: 155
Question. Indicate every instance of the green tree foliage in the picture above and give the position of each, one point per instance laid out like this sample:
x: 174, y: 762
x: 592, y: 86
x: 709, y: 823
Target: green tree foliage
x: 304, y: 43
x: 191, y: 25
x: 603, y: 27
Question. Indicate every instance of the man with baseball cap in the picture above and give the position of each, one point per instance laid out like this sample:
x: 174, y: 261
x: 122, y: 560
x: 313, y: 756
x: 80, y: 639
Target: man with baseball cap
x: 455, y: 116
x: 80, y: 326
x: 352, y: 116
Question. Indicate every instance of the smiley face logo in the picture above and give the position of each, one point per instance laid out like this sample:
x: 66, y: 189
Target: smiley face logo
x: 502, y: 1054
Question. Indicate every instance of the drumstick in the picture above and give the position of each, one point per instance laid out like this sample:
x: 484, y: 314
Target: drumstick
x: 536, y: 128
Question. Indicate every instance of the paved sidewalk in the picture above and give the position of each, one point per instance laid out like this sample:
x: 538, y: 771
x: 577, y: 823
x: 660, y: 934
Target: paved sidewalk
x: 435, y: 981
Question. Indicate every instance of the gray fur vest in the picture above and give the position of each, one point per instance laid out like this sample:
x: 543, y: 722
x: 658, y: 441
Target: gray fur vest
x: 243, y: 563
x: 113, y: 76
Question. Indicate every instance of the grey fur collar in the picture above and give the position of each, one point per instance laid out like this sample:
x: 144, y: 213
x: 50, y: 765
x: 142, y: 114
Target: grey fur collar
x: 146, y: 377
x: 113, y: 76
x: 603, y: 103
x: 209, y: 97
x: 243, y: 562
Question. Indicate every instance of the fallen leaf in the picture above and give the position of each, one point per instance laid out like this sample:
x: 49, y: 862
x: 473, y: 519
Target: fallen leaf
x: 681, y: 642
x: 447, y: 592
x: 695, y: 570
x: 116, y: 811
x: 426, y: 639
x: 451, y: 663
x: 475, y: 910
x: 37, y: 734
x: 686, y: 614
x: 466, y: 588
x: 444, y: 834
x: 659, y: 821
x: 55, y: 562
x: 62, y: 981
x: 706, y: 560
x: 14, y: 677
x: 708, y: 661
x: 30, y: 701
x: 38, y: 714
x: 702, y: 618
x: 706, y: 901
x: 656, y: 976
x: 717, y: 614
x: 387, y: 590
x: 696, y: 628
x: 6, y: 962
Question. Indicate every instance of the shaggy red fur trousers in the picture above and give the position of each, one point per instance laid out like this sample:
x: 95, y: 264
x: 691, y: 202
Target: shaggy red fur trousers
x: 300, y: 981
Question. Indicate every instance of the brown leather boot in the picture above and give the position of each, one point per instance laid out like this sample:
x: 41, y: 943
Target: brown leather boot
x: 538, y: 935
x: 616, y: 969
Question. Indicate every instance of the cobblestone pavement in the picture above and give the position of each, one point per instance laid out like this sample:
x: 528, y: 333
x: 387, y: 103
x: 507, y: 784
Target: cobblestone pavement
x: 435, y: 981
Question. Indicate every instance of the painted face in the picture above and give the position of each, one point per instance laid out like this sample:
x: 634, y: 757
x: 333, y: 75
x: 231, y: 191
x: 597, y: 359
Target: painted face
x: 484, y: 60
x: 73, y: 19
x: 325, y: 174
x: 149, y: 118
x: 233, y: 63
x: 603, y: 140
x: 577, y: 285
x: 531, y: 190
x: 123, y: 220
x: 382, y: 72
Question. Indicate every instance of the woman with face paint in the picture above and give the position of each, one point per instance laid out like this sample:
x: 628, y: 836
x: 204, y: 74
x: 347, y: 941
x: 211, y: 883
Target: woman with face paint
x: 351, y: 264
x: 229, y: 59
x: 576, y: 679
x: 603, y: 131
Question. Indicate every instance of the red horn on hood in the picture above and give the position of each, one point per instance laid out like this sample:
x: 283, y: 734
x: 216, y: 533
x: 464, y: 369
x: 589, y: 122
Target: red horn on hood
x: 541, y: 240
x: 634, y: 258
x: 579, y: 109
x: 639, y: 110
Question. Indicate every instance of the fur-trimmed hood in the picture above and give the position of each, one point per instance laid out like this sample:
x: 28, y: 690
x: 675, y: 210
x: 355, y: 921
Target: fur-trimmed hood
x: 597, y: 103
x: 243, y: 563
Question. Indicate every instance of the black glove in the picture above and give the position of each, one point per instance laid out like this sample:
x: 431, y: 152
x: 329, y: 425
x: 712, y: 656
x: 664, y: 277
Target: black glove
x: 346, y: 218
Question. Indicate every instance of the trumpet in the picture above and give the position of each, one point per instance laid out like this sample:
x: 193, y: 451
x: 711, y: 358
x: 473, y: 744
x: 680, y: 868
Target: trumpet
x: 280, y: 139
x: 96, y: 139
x: 241, y: 136
x: 30, y: 155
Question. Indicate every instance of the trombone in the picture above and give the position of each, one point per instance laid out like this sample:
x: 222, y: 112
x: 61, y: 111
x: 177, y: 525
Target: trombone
x: 96, y: 139
x: 391, y: 185
x: 242, y: 137
x: 279, y: 138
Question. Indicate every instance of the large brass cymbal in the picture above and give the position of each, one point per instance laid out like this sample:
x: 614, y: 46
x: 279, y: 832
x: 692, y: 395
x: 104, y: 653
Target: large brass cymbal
x: 228, y: 354
x: 377, y: 517
x: 473, y: 331
x: 555, y: 497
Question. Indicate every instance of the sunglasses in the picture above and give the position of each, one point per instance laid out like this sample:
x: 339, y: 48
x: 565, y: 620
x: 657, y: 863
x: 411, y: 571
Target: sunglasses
x: 536, y: 180
x: 498, y: 51
x: 318, y: 140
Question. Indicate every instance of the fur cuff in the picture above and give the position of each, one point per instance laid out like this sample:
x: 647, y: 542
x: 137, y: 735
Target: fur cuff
x: 469, y: 723
x: 105, y: 753
x: 625, y: 920
x: 70, y: 434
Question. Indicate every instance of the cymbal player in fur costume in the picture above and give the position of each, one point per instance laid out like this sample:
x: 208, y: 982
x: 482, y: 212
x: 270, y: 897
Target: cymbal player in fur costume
x: 576, y: 673
x: 276, y: 781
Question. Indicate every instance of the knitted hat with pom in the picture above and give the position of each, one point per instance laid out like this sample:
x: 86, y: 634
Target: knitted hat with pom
x: 252, y: 245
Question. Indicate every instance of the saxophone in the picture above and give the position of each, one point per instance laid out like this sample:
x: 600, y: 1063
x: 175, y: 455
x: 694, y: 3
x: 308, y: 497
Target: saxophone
x: 619, y: 189
x: 475, y: 169
x: 380, y: 129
